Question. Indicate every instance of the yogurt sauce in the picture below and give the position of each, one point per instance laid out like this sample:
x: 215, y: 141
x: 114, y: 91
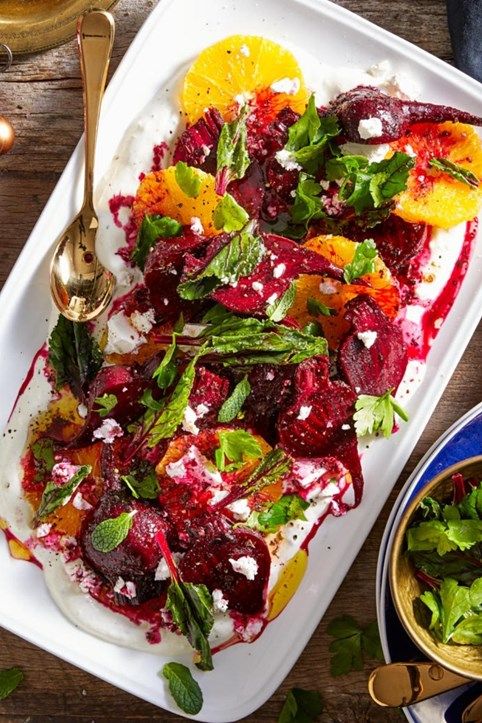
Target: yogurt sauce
x: 161, y: 121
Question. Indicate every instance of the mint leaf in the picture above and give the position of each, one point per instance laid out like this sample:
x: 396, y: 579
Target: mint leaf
x: 306, y: 129
x: 309, y: 137
x: 279, y: 308
x: 191, y: 607
x: 183, y: 688
x: 237, y: 258
x: 229, y: 215
x: 458, y: 172
x: 10, y: 679
x: 272, y: 468
x: 188, y: 179
x: 351, y: 644
x: 74, y: 355
x: 166, y: 372
x: 277, y: 514
x: 234, y: 403
x: 468, y: 631
x: 169, y: 419
x: 43, y: 453
x: 105, y: 404
x: 232, y: 153
x: 301, y: 706
x: 55, y: 495
x: 308, y: 205
x: 152, y: 228
x: 147, y: 400
x: 143, y: 484
x: 236, y: 446
x: 317, y: 308
x: 375, y: 414
x: 363, y: 261
x: 109, y: 533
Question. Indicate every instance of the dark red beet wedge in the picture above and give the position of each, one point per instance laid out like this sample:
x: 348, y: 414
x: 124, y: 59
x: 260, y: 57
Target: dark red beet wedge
x: 345, y: 448
x: 266, y: 138
x: 249, y: 190
x: 396, y: 115
x: 372, y: 356
x: 207, y: 562
x: 197, y: 144
x: 208, y: 393
x: 320, y: 408
x: 271, y: 391
x: 127, y: 384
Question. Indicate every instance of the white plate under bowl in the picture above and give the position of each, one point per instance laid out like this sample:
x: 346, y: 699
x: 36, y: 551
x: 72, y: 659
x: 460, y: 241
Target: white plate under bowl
x: 245, y: 676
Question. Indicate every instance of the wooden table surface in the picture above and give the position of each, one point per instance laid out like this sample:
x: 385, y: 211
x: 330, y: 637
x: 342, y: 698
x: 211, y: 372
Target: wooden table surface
x: 41, y: 95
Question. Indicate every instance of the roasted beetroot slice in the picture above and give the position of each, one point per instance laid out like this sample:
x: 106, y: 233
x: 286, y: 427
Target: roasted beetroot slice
x: 209, y: 391
x: 271, y: 391
x: 136, y: 558
x: 127, y: 384
x: 320, y: 408
x: 345, y: 448
x: 197, y: 144
x: 396, y: 115
x: 371, y: 365
x: 280, y: 180
x: 265, y: 138
x: 249, y: 190
x: 207, y: 562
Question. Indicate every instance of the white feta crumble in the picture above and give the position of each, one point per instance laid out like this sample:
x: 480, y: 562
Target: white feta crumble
x: 196, y: 225
x: 287, y: 160
x: 80, y: 503
x: 143, y: 322
x: 345, y: 427
x: 245, y: 565
x: 128, y: 589
x: 82, y: 411
x: 202, y: 410
x: 108, y: 431
x: 270, y: 375
x: 43, y: 529
x: 217, y: 496
x: 257, y: 286
x: 290, y: 86
x: 62, y: 472
x: 368, y: 338
x: 220, y: 603
x: 244, y: 50
x: 122, y: 337
x: 272, y: 299
x: 193, y: 330
x: 162, y: 570
x: 304, y: 412
x: 189, y: 421
x: 252, y: 630
x: 327, y: 287
x: 176, y: 469
x: 324, y: 184
x: 243, y: 98
x: 279, y: 270
x: 409, y: 151
x: 370, y: 128
x: 240, y: 509
x: 374, y: 153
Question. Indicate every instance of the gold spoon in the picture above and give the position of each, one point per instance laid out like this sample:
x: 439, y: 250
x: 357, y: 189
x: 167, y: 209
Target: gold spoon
x: 81, y: 287
x: 401, y: 684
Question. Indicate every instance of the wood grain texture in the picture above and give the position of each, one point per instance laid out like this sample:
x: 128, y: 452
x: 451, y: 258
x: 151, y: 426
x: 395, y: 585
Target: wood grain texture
x: 41, y: 96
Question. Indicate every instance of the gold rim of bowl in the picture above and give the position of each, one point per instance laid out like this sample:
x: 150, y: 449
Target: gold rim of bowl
x: 465, y: 660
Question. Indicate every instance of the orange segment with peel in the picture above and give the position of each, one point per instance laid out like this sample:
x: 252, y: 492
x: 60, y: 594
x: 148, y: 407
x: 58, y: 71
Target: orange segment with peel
x: 236, y: 70
x: 159, y: 193
x: 432, y: 196
x: 335, y: 294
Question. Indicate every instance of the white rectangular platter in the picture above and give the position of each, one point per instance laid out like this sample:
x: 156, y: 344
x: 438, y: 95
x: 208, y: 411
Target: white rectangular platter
x: 246, y: 675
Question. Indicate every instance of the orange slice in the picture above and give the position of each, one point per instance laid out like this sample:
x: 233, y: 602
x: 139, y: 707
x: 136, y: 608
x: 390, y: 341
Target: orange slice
x: 159, y: 193
x: 235, y: 70
x: 335, y: 294
x: 433, y: 197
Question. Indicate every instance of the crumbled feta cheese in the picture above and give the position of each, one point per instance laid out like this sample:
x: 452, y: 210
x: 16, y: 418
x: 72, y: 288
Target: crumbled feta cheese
x: 217, y: 496
x: 82, y: 411
x: 287, y: 160
x: 108, y: 431
x: 244, y: 50
x: 143, y: 322
x: 272, y: 298
x: 325, y: 185
x: 220, y: 603
x: 62, y: 472
x: 165, y: 301
x: 245, y: 565
x: 196, y: 225
x: 202, y: 410
x: 279, y: 270
x: 252, y: 630
x: 409, y: 151
x: 345, y: 427
x: 304, y: 412
x: 243, y: 98
x: 193, y: 330
x: 80, y: 503
x: 122, y: 337
x: 189, y: 421
x: 290, y: 86
x: 162, y: 571
x: 257, y: 286
x: 128, y: 589
x: 86, y: 579
x: 270, y: 376
x: 368, y: 338
x: 327, y: 287
x: 240, y: 509
x: 374, y: 153
x: 370, y: 128
x: 176, y: 469
x: 43, y: 529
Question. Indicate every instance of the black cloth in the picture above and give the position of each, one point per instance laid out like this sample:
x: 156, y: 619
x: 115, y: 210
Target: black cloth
x: 465, y: 25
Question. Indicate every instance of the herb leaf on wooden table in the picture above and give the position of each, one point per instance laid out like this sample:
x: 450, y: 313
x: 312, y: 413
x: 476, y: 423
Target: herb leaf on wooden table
x: 352, y: 644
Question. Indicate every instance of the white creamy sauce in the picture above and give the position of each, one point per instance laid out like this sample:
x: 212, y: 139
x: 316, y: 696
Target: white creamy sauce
x: 160, y: 121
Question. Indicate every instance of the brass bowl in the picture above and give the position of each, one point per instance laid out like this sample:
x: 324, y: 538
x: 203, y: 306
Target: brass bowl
x: 405, y: 588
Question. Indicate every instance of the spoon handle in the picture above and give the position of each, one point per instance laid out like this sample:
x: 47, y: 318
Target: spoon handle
x: 400, y: 684
x: 95, y: 36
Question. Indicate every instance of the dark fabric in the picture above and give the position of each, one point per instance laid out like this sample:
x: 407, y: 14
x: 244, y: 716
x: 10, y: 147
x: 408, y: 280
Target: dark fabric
x: 465, y: 24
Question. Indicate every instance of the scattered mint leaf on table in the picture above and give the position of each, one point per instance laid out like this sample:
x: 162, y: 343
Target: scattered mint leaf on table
x: 55, y: 495
x: 236, y: 446
x: 352, y: 643
x: 109, y: 533
x: 74, y: 355
x: 279, y: 513
x: 455, y: 171
x: 232, y: 406
x: 375, y: 414
x: 279, y: 308
x: 188, y: 179
x: 152, y: 228
x: 10, y: 679
x: 105, y: 404
x: 363, y: 261
x: 228, y: 215
x: 301, y: 706
x: 183, y: 687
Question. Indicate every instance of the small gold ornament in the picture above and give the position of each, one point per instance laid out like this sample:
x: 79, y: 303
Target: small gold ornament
x: 7, y: 135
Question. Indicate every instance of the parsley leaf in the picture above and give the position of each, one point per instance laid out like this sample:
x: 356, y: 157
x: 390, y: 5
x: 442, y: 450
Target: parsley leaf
x: 233, y: 404
x: 301, y: 706
x: 142, y: 484
x: 363, y: 261
x: 183, y: 688
x: 232, y: 153
x: 279, y: 308
x: 166, y: 372
x: 188, y: 179
x: 310, y: 135
x: 317, y: 308
x: 236, y: 446
x: 458, y: 172
x: 277, y: 514
x: 152, y: 228
x: 375, y: 414
x: 228, y: 215
x: 105, y: 404
x: 73, y: 354
x: 109, y: 533
x: 238, y: 257
x: 55, y: 495
x: 191, y: 607
x: 444, y: 536
x: 10, y: 679
x: 352, y: 643
x: 308, y: 205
